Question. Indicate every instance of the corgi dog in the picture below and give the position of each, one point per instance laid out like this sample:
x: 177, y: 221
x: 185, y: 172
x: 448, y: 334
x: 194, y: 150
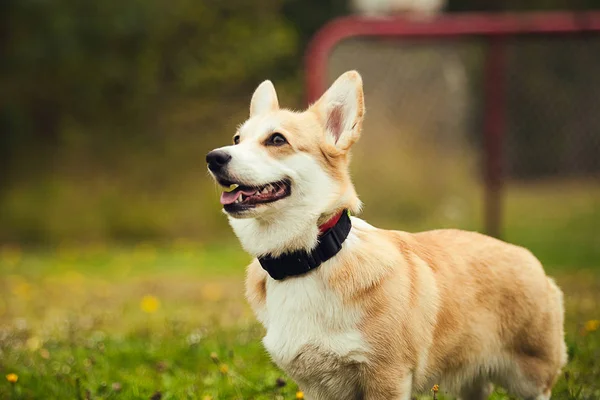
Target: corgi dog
x: 356, y: 312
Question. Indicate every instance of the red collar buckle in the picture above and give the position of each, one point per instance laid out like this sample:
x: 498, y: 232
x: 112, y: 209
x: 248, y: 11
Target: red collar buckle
x: 331, y: 223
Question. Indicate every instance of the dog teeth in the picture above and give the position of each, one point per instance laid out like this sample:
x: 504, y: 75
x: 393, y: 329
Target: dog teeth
x: 265, y: 190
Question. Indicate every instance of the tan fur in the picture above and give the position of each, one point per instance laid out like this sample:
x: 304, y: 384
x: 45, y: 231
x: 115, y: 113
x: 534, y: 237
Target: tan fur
x: 303, y: 132
x: 448, y: 307
x: 440, y: 303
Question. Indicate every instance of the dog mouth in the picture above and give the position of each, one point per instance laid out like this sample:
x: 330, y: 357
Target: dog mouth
x: 244, y: 197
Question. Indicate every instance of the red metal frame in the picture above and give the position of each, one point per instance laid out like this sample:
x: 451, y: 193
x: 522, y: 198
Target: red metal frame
x: 494, y: 27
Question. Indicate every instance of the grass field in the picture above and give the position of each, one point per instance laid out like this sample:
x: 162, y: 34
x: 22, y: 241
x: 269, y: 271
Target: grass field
x: 171, y: 323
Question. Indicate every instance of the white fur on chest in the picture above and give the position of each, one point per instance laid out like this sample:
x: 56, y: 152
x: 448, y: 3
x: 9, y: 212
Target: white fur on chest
x: 303, y: 312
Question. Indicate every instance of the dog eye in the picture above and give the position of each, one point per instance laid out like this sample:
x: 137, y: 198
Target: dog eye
x: 236, y: 139
x: 276, y: 139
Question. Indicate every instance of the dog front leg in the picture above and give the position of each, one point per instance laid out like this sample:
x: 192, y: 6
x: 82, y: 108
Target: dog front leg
x: 389, y: 387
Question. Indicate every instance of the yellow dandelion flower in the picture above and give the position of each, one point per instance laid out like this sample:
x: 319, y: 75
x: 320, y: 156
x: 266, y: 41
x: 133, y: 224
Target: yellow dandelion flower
x: 435, y: 390
x: 592, y: 325
x: 12, y: 378
x: 223, y: 368
x: 149, y: 304
x: 299, y: 395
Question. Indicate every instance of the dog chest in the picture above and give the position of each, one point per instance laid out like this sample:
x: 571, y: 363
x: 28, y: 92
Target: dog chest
x: 306, y: 320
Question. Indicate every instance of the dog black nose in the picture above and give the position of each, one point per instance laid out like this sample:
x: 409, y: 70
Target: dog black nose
x: 217, y: 159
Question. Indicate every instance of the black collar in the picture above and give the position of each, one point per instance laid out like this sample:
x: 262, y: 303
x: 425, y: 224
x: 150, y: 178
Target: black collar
x: 301, y: 262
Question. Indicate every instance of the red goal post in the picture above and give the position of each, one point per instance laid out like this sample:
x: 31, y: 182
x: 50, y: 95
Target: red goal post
x: 494, y: 29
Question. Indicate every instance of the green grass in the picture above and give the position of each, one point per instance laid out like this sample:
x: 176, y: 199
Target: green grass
x: 559, y: 223
x: 170, y: 321
x: 132, y: 323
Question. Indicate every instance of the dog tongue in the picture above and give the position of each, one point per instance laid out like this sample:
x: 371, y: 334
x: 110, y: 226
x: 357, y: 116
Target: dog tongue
x: 231, y: 197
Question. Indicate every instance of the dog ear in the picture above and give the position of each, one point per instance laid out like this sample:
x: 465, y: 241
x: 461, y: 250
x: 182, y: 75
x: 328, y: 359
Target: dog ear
x: 264, y: 99
x: 341, y: 110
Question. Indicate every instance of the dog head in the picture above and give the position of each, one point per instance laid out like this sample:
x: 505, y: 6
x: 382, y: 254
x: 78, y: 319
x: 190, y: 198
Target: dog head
x: 283, y: 162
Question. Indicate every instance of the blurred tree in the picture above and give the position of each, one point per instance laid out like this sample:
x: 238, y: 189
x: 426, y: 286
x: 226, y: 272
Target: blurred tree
x: 97, y: 74
x: 108, y: 63
x: 308, y: 16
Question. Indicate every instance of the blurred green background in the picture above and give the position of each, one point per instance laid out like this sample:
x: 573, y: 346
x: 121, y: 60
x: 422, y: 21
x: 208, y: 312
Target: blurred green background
x: 119, y: 276
x: 107, y: 111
